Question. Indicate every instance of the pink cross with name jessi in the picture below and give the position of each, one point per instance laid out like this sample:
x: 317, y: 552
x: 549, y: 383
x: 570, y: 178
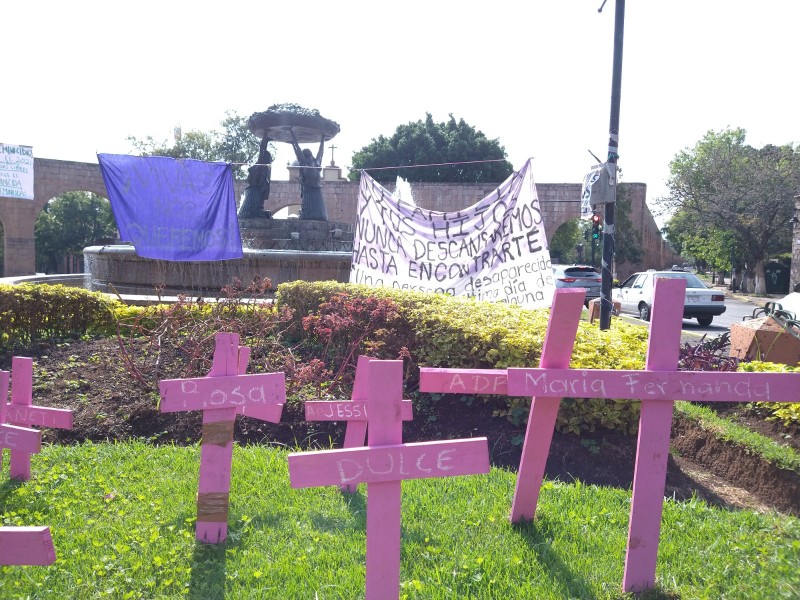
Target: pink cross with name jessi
x: 353, y: 412
x: 223, y: 394
x: 658, y: 386
x: 26, y: 546
x: 17, y: 418
x: 382, y: 465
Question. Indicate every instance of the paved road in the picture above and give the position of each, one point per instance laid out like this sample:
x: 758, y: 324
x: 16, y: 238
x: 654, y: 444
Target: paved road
x: 735, y: 310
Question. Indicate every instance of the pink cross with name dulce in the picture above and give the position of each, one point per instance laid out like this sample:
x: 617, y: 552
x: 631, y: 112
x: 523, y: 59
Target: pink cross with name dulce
x: 223, y: 394
x: 382, y: 465
x: 658, y: 386
x: 353, y: 412
x: 17, y: 418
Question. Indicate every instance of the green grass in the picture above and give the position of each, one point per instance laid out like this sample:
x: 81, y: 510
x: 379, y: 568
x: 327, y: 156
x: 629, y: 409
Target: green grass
x: 122, y: 519
x: 780, y: 455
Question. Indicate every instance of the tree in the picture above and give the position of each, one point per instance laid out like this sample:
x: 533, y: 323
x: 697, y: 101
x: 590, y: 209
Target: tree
x: 724, y: 185
x: 234, y: 144
x: 69, y: 223
x: 429, y: 143
x: 565, y: 241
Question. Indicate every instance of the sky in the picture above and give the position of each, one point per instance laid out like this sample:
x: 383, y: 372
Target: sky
x: 80, y: 77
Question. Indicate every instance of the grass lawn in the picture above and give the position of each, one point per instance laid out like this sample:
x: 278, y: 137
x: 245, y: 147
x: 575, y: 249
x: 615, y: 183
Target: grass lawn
x: 122, y: 520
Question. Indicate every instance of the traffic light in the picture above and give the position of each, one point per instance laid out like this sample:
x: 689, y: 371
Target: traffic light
x: 597, y: 226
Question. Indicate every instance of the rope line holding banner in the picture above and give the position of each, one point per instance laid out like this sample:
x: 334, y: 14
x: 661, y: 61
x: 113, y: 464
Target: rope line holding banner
x: 468, y: 162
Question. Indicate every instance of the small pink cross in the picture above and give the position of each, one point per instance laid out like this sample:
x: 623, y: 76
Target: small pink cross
x: 22, y: 414
x: 223, y: 394
x: 353, y: 412
x: 382, y: 465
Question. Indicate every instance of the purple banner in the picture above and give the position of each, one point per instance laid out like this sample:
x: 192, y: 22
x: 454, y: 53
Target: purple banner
x: 173, y: 209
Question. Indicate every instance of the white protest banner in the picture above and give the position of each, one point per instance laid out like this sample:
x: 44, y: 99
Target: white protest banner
x: 16, y: 171
x: 495, y: 250
x: 586, y: 194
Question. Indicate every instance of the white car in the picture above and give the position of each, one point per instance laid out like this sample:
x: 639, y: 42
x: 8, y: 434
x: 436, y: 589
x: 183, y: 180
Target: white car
x: 635, y: 295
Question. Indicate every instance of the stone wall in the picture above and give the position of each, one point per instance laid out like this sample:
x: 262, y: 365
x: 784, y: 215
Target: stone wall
x: 560, y: 202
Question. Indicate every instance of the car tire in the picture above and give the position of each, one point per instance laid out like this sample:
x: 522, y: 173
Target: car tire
x: 644, y: 311
x: 705, y: 321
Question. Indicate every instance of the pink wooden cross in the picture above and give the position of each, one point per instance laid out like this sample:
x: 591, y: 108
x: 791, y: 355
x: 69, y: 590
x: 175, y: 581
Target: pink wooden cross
x: 21, y: 441
x: 382, y: 465
x: 26, y: 546
x: 223, y: 394
x: 22, y: 413
x: 658, y: 387
x: 353, y: 412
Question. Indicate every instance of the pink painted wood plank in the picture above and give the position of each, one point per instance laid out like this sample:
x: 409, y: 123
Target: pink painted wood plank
x: 370, y: 464
x: 4, y: 379
x: 39, y: 416
x: 699, y: 386
x: 214, y: 392
x: 463, y: 381
x: 216, y: 459
x: 556, y: 353
x: 20, y: 439
x: 26, y: 546
x: 385, y: 392
x: 263, y: 412
x: 652, y: 451
x: 355, y: 433
x: 325, y: 410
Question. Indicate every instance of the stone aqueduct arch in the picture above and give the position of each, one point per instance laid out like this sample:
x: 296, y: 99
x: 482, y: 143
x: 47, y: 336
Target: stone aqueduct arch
x: 559, y: 202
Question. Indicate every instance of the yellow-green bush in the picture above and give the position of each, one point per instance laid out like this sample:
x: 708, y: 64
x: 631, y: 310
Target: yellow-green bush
x: 466, y: 333
x: 786, y: 412
x: 31, y: 312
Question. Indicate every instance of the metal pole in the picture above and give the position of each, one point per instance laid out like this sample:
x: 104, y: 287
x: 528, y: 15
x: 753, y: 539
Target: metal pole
x: 613, y: 147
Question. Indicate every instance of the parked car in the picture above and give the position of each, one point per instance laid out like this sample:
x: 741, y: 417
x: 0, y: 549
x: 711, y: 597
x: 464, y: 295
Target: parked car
x: 635, y: 295
x: 578, y: 276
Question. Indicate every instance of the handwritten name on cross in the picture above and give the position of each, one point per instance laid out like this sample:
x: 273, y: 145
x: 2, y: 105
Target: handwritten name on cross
x: 658, y: 387
x: 382, y: 465
x: 223, y: 394
x: 21, y: 413
x: 26, y: 546
x: 21, y: 441
x: 353, y: 412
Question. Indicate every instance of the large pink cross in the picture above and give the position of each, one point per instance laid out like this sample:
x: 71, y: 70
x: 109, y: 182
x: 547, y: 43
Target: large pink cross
x: 21, y: 441
x: 223, y: 394
x: 658, y: 387
x: 353, y: 412
x: 26, y: 546
x: 382, y: 465
x: 23, y: 414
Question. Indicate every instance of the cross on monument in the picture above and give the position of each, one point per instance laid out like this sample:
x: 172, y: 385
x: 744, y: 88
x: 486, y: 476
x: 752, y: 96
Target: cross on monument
x: 223, y: 394
x: 657, y: 387
x: 23, y: 414
x: 382, y: 465
x: 353, y: 412
x: 332, y: 147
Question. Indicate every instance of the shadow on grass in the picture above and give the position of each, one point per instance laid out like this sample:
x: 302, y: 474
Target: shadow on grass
x: 538, y: 535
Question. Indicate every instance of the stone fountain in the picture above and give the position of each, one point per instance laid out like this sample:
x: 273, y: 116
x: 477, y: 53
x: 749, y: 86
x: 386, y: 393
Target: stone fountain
x: 310, y: 248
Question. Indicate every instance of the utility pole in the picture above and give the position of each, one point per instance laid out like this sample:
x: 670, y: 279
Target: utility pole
x: 606, y: 272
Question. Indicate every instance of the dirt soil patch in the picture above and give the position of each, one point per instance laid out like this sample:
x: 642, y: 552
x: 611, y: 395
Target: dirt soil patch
x: 109, y: 404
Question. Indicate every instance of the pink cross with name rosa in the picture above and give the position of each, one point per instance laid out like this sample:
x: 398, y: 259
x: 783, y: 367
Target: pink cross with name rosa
x: 21, y: 415
x: 658, y: 387
x: 223, y: 394
x: 26, y: 546
x: 382, y: 465
x: 353, y: 412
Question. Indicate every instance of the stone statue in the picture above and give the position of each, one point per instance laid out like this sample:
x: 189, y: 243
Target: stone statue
x: 257, y: 191
x: 313, y: 206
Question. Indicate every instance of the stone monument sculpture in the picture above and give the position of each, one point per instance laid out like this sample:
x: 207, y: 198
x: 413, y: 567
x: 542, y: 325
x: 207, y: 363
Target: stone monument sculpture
x: 258, y: 179
x: 294, y: 125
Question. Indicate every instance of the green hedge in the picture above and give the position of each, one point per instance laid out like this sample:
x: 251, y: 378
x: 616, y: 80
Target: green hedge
x: 32, y: 312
